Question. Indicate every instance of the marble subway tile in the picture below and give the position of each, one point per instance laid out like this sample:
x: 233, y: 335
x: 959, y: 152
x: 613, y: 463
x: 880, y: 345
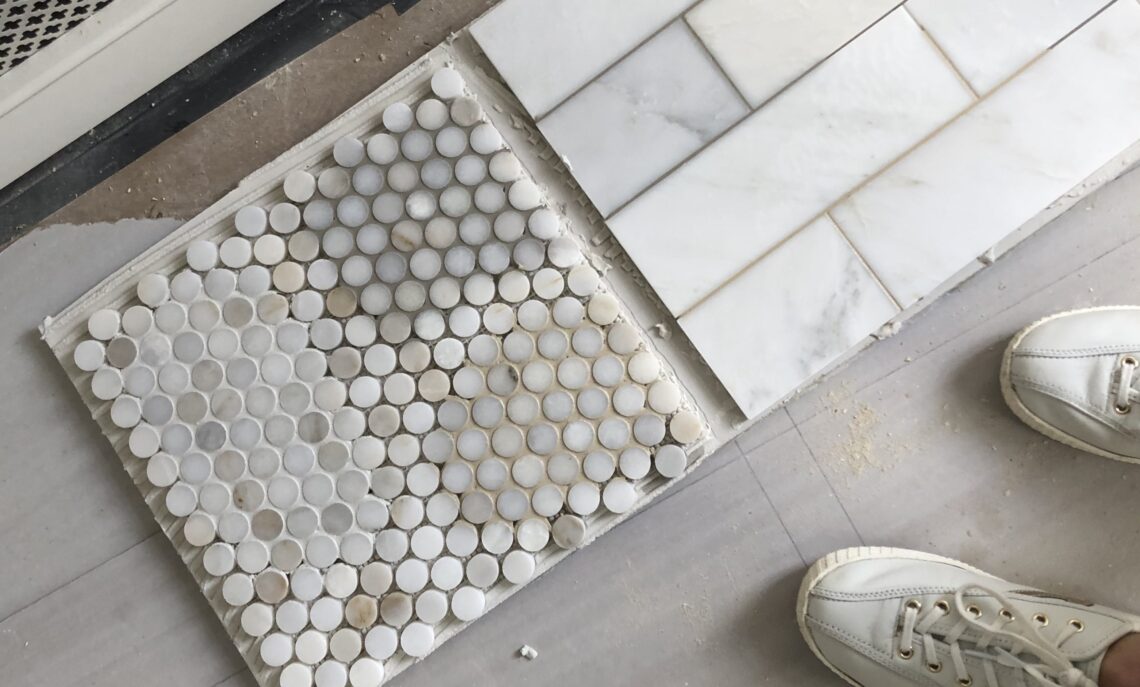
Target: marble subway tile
x: 998, y: 165
x: 632, y: 124
x: 989, y: 40
x: 764, y: 45
x: 786, y: 163
x: 787, y: 317
x: 547, y: 49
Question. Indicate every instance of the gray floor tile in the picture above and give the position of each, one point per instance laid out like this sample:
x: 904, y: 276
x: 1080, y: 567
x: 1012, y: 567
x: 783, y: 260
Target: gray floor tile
x: 802, y: 496
x: 67, y: 504
x: 137, y: 620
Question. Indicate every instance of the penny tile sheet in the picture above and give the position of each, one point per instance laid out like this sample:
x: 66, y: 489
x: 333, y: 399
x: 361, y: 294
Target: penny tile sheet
x: 379, y: 399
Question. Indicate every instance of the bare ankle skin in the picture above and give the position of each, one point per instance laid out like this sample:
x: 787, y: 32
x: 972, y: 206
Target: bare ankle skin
x: 1121, y: 667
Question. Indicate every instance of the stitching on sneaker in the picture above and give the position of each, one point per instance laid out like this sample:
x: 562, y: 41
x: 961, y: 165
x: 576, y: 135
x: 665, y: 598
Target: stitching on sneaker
x: 881, y: 594
x: 1095, y: 351
x: 1091, y: 411
x: 869, y: 651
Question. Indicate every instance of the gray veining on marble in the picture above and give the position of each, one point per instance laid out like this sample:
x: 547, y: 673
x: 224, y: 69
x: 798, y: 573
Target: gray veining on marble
x: 633, y: 123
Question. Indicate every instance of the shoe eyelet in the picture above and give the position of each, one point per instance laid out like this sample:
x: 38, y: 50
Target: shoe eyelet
x: 934, y: 667
x: 914, y: 605
x: 942, y: 606
x: 1122, y: 410
x: 1129, y: 360
x: 906, y: 654
x: 1005, y: 614
x: 1041, y: 619
x: 966, y: 681
x: 1077, y: 625
x: 974, y: 611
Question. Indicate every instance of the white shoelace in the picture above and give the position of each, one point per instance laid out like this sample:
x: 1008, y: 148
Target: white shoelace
x: 1125, y: 394
x: 1052, y: 668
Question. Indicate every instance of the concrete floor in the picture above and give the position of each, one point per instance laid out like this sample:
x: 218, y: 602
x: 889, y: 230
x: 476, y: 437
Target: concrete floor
x: 909, y: 445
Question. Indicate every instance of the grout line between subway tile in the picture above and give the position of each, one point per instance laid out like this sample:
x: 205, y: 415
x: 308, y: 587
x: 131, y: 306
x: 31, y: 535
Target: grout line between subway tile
x: 890, y: 373
x: 863, y: 260
x: 858, y: 187
x: 1080, y: 26
x: 942, y: 53
x: 539, y: 117
x: 744, y: 119
x: 719, y: 67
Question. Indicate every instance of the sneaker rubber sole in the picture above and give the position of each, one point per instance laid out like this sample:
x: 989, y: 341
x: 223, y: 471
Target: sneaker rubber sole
x: 838, y: 559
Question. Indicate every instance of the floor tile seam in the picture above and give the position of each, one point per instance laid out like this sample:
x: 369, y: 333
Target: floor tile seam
x: 776, y: 512
x: 719, y: 68
x: 827, y: 481
x: 80, y: 576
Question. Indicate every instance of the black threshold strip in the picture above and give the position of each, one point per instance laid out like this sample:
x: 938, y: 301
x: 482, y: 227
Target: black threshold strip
x: 285, y: 32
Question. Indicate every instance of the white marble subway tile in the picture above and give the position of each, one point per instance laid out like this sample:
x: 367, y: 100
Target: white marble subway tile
x: 652, y: 110
x: 787, y: 317
x: 547, y: 49
x: 786, y: 163
x: 1001, y: 163
x: 989, y: 40
x: 764, y: 45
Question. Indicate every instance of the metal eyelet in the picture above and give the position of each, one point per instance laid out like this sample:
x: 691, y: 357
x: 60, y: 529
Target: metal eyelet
x: 914, y: 605
x: 906, y: 654
x: 1122, y: 410
x: 934, y: 667
x: 1005, y: 614
x: 974, y: 611
x: 966, y: 681
x: 942, y: 606
x: 1129, y: 360
x: 1077, y: 625
x: 1041, y: 619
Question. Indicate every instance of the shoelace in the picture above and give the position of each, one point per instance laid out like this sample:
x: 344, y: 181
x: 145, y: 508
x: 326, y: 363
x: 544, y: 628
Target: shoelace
x: 1125, y: 394
x: 1053, y: 669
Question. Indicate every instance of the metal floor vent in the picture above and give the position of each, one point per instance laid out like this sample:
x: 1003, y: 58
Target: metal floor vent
x: 26, y: 26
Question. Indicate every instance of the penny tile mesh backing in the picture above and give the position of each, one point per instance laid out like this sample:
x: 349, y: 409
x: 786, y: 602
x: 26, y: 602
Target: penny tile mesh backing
x: 26, y: 26
x: 377, y: 388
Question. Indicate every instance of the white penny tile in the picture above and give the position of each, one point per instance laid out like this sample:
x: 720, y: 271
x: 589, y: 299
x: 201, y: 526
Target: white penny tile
x: 634, y: 122
x: 764, y: 45
x: 339, y: 420
x: 989, y: 40
x: 547, y: 49
x: 995, y: 168
x: 791, y: 315
x: 785, y: 164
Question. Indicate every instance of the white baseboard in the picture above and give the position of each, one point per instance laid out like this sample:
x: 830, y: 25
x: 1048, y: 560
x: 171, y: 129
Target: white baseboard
x: 103, y: 64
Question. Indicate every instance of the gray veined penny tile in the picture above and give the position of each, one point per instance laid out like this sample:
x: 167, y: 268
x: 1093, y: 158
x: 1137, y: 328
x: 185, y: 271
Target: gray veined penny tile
x: 385, y: 398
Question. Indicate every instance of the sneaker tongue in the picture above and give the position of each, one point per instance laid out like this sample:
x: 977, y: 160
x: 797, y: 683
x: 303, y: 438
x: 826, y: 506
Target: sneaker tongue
x: 1091, y: 667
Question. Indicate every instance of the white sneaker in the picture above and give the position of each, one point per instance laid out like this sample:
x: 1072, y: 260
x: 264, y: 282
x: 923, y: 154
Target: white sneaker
x: 883, y: 617
x: 1073, y: 377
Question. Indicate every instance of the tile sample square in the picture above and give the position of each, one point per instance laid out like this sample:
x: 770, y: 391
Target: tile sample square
x: 994, y: 168
x: 989, y: 40
x: 788, y: 317
x: 764, y: 45
x: 785, y: 164
x: 547, y: 49
x: 633, y: 123
x: 377, y: 388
